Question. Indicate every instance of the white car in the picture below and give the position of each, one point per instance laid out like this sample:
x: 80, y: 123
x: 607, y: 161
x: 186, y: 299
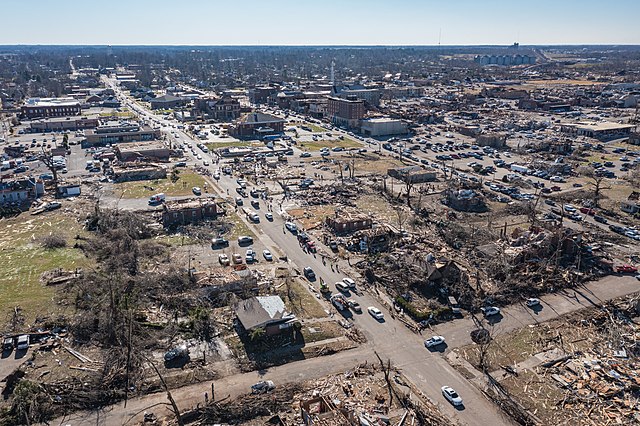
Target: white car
x: 223, y: 259
x: 490, y: 311
x: 268, y: 216
x: 451, y: 395
x: 349, y: 282
x: 197, y: 190
x: 375, y: 312
x: 267, y: 255
x: 434, y: 341
x: 532, y: 301
x: 341, y: 286
x: 250, y: 256
x: 292, y: 227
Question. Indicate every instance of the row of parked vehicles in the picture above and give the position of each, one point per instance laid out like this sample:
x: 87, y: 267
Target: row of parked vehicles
x: 20, y: 343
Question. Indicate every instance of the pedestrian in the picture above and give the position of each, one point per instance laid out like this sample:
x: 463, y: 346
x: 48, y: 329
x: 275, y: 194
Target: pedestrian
x: 206, y: 398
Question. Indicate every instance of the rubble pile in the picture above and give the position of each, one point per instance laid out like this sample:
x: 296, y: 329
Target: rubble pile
x: 602, y: 382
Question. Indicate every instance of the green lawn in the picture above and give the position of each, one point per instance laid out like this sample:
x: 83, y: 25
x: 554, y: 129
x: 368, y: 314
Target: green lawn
x: 139, y: 189
x: 122, y: 114
x: 239, y: 228
x: 22, y: 262
x: 316, y: 145
x: 218, y: 145
x: 317, y: 129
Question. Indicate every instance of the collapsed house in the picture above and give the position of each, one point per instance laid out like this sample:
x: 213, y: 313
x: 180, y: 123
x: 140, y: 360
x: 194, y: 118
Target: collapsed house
x: 134, y: 172
x: 464, y: 200
x: 182, y: 212
x: 347, y: 221
x: 266, y: 312
x: 239, y: 280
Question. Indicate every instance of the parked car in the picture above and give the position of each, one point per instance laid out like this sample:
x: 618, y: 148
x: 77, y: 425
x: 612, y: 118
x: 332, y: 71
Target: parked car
x: 176, y: 353
x: 532, y: 301
x: 490, y: 311
x: 451, y: 395
x: 355, y: 306
x: 600, y: 219
x: 349, y: 282
x: 433, y: 341
x: 23, y: 342
x: 237, y: 258
x: 292, y: 227
x: 268, y: 216
x: 308, y: 272
x: 219, y: 242
x: 7, y: 344
x: 250, y: 255
x: 196, y: 190
x: 223, y: 259
x: 626, y: 269
x: 263, y: 387
x: 342, y: 286
x: 375, y: 312
x: 267, y: 255
x: 244, y: 240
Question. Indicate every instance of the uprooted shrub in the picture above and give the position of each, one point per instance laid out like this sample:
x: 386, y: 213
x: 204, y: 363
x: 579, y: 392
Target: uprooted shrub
x: 53, y: 241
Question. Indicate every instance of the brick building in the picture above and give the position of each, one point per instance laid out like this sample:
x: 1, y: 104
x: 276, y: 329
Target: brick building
x: 345, y: 112
x: 182, y: 212
x: 256, y: 125
x: 50, y: 107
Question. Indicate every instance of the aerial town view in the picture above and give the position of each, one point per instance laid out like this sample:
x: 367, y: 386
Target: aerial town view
x: 324, y: 214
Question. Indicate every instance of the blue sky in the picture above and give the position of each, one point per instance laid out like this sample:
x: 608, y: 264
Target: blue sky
x: 328, y: 22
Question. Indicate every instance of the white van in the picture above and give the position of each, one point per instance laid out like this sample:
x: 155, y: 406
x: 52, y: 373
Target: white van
x: 23, y: 342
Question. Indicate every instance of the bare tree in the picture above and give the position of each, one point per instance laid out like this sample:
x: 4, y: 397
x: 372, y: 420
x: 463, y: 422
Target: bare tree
x: 47, y: 159
x: 596, y: 182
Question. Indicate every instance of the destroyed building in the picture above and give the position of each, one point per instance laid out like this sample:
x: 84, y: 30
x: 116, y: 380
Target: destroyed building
x: 413, y: 174
x: 320, y: 411
x: 344, y: 222
x: 133, y: 172
x: 238, y: 279
x: 267, y: 312
x: 465, y: 200
x: 182, y: 212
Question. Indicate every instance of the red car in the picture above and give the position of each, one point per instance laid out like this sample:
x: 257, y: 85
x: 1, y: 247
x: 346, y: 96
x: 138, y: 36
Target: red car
x: 587, y: 210
x: 626, y: 269
x: 311, y: 246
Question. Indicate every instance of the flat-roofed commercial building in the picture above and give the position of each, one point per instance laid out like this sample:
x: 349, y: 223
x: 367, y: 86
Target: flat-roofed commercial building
x: 62, y: 123
x: 602, y: 131
x: 50, y: 107
x: 383, y: 127
x: 145, y: 151
x: 119, y: 133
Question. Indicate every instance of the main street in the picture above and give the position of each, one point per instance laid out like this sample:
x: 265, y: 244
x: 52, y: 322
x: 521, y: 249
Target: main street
x: 428, y: 371
x: 390, y: 338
